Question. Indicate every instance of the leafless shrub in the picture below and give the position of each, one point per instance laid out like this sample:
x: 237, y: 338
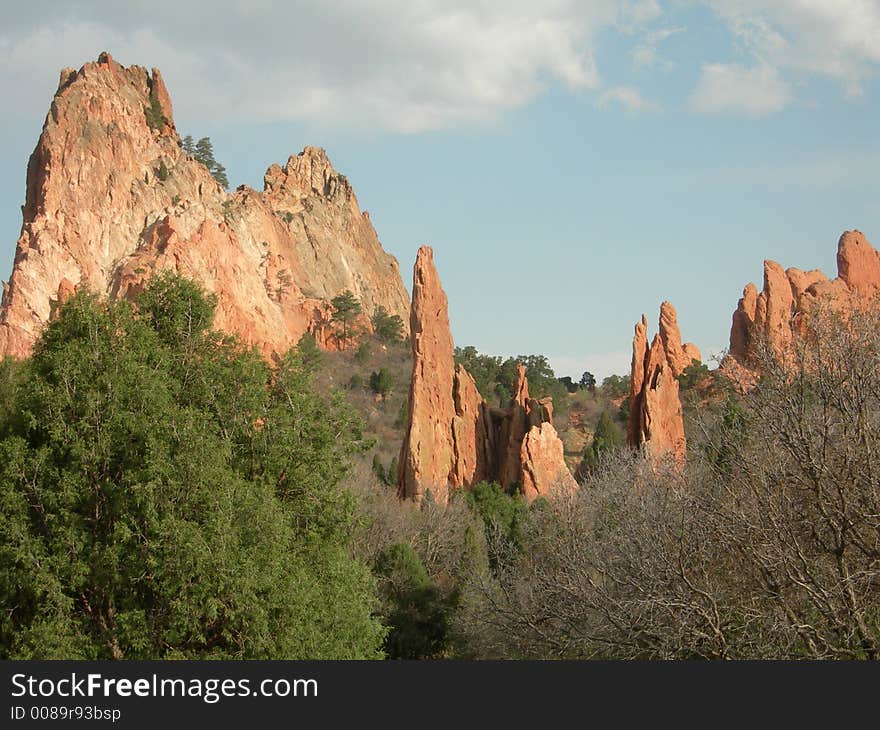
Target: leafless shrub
x: 766, y: 546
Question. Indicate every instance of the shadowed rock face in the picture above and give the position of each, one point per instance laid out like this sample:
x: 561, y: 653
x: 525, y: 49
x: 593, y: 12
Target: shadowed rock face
x: 111, y: 200
x: 773, y: 315
x: 454, y: 439
x: 656, y: 425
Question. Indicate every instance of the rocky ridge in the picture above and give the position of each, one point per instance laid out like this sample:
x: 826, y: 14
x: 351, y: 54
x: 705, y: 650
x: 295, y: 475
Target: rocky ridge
x: 773, y: 317
x: 112, y: 198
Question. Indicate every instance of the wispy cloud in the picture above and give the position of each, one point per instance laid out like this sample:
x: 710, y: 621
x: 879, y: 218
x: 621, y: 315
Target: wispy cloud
x: 836, y: 39
x: 390, y: 65
x: 735, y: 89
x: 646, y: 54
x: 628, y: 97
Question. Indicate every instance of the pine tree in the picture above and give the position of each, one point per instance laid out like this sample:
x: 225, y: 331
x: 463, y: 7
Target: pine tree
x: 387, y: 327
x: 345, y: 308
x: 203, y: 151
x: 165, y: 493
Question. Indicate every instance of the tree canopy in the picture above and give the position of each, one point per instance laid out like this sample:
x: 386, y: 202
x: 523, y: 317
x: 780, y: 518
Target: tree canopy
x: 164, y: 493
x: 387, y: 327
x: 203, y: 151
x: 346, y: 308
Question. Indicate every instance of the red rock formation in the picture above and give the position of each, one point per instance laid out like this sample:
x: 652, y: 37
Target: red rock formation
x: 773, y: 315
x: 473, y: 436
x: 637, y: 382
x: 543, y: 464
x: 453, y: 438
x: 515, y: 427
x: 656, y: 424
x: 111, y: 200
x: 426, y: 457
x: 678, y: 355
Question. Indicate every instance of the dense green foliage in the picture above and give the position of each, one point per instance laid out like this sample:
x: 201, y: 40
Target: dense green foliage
x: 387, y: 327
x: 381, y: 383
x: 346, y: 308
x: 693, y: 375
x: 309, y: 353
x: 164, y: 493
x: 501, y: 513
x: 607, y: 438
x: 615, y: 386
x: 495, y: 376
x: 362, y: 354
x: 417, y: 613
x: 203, y: 151
x: 156, y: 120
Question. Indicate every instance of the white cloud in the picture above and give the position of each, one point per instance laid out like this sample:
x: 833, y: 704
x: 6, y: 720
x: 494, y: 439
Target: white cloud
x: 832, y: 38
x: 391, y: 64
x: 413, y: 66
x: 645, y: 54
x: 735, y: 89
x: 626, y: 96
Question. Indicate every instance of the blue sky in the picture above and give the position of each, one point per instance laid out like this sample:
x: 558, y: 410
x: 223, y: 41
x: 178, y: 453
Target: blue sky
x: 572, y: 164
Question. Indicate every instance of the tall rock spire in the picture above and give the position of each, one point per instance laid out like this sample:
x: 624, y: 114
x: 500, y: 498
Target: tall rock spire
x: 656, y: 424
x: 427, y: 452
x: 453, y: 438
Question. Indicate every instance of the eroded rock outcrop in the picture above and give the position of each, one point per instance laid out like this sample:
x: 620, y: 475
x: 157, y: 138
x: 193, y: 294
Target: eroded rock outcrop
x: 426, y: 457
x: 773, y: 316
x: 112, y: 198
x: 679, y: 355
x: 454, y: 439
x: 656, y: 425
x: 543, y: 463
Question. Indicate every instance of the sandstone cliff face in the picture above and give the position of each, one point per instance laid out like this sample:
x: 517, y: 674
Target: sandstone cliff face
x: 111, y: 200
x: 656, y: 425
x: 772, y: 316
x: 454, y: 439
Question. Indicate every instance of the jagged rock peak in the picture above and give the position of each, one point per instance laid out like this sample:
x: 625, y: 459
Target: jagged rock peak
x: 453, y: 438
x: 679, y: 355
x: 308, y: 173
x: 773, y: 317
x: 112, y: 198
x: 656, y: 424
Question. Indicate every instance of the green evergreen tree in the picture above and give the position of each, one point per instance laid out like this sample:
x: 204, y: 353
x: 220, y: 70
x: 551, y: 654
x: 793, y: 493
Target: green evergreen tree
x: 607, y: 437
x: 362, y: 355
x: 499, y: 511
x: 346, y: 308
x: 165, y: 494
x: 416, y: 611
x: 382, y: 383
x: 156, y: 120
x: 387, y: 327
x: 309, y: 352
x: 203, y: 151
